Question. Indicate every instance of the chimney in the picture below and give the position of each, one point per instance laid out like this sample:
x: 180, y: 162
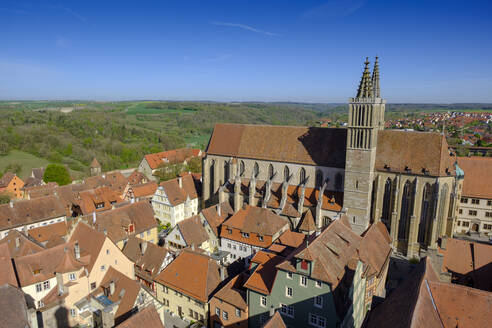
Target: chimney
x: 111, y: 287
x: 222, y: 273
x: 143, y: 247
x: 180, y: 182
x: 132, y: 200
x: 94, y: 217
x: 237, y: 195
x: 272, y: 311
x: 17, y: 242
x: 11, y: 204
x: 444, y: 240
x: 193, y: 247
x: 76, y: 248
x: 104, y: 176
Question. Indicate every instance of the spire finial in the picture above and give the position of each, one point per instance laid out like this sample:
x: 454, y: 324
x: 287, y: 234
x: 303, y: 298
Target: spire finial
x: 375, y: 79
x: 365, y: 87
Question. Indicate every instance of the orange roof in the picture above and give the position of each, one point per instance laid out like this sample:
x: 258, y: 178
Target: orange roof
x: 263, y: 277
x: 417, y: 151
x: 89, y: 200
x: 468, y: 258
x: 144, y: 189
x: 254, y: 220
x: 171, y: 156
x: 193, y: 274
x: 478, y: 176
x: 95, y: 163
x: 26, y: 245
x: 43, y: 265
x: 7, y: 274
x: 292, y: 144
x: 422, y: 301
x: 90, y: 242
x: 234, y: 293
x: 177, y: 194
x: 50, y: 231
x: 275, y: 321
x: 147, y: 317
x: 125, y: 292
x: 291, y: 238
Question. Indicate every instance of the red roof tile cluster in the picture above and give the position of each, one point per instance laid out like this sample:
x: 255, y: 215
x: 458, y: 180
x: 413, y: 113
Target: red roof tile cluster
x: 256, y: 221
x: 422, y: 301
x: 275, y: 321
x: 171, y: 156
x: 177, y: 193
x: 423, y: 153
x: 468, y: 260
x: 234, y: 293
x: 49, y: 232
x: 290, y: 144
x: 147, y: 317
x: 193, y: 274
x: 147, y: 256
x: 478, y: 176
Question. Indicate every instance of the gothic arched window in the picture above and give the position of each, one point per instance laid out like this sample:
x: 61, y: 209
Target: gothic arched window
x: 241, y: 168
x: 226, y: 171
x: 319, y: 178
x: 302, y: 176
x: 338, y: 181
x: 286, y: 173
x: 406, y: 211
x: 426, y: 213
x: 256, y: 170
x: 270, y: 171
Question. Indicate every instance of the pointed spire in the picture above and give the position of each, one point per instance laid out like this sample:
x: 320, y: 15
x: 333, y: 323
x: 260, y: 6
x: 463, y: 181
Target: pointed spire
x: 365, y: 87
x: 375, y: 79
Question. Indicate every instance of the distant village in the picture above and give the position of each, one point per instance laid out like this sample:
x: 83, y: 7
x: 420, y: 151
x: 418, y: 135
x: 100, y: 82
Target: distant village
x: 284, y: 227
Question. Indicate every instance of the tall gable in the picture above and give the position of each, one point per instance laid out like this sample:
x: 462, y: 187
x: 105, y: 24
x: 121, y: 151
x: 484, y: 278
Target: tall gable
x: 290, y: 144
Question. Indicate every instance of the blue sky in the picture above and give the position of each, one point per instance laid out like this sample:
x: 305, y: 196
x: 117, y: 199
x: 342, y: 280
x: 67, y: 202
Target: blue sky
x: 310, y: 51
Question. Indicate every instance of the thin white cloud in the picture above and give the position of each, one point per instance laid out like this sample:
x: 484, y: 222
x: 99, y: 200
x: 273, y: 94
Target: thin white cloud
x: 245, y: 27
x: 218, y: 58
x: 335, y: 8
x: 63, y: 42
x: 75, y: 14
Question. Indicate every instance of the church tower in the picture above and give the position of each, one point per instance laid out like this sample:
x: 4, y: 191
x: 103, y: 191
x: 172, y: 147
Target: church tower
x: 366, y: 118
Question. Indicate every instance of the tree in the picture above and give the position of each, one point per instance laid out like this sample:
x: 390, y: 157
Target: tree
x: 194, y: 165
x: 4, y: 198
x: 57, y: 173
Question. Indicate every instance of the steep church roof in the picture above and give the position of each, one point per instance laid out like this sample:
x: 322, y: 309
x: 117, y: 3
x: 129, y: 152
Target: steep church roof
x: 291, y: 144
x: 422, y: 153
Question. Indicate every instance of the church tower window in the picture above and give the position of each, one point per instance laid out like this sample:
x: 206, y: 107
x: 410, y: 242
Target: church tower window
x: 256, y: 170
x: 270, y: 171
x: 319, y: 178
x: 241, y: 168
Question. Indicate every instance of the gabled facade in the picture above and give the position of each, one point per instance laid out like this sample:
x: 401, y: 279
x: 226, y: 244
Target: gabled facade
x: 187, y: 284
x: 12, y: 185
x: 175, y: 200
x: 250, y: 230
x: 151, y: 163
x: 324, y: 282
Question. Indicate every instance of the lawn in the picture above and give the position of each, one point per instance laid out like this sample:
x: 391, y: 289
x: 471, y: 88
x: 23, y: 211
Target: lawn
x: 25, y: 160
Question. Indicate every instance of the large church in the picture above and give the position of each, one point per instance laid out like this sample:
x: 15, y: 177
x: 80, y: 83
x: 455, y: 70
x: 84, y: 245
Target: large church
x: 310, y: 175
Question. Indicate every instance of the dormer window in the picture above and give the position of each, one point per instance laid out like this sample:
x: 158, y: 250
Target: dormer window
x: 229, y: 231
x: 387, y: 167
x: 304, y: 265
x: 260, y: 238
x: 245, y: 235
x: 131, y: 228
x: 99, y: 205
x: 36, y: 271
x: 407, y: 169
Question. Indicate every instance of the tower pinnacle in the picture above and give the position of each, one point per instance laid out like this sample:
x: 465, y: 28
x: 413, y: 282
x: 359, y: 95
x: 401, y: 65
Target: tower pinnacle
x: 375, y: 79
x: 365, y: 87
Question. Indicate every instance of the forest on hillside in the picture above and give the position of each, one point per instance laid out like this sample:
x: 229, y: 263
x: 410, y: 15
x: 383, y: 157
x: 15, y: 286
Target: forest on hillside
x: 118, y: 134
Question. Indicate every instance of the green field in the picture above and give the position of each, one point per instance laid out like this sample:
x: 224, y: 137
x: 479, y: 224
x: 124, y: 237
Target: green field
x: 25, y: 160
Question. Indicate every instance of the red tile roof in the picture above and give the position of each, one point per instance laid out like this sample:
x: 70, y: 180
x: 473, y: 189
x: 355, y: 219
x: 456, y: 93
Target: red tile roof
x: 147, y: 317
x: 280, y: 143
x: 275, y: 321
x: 193, y: 274
x: 234, y: 293
x: 422, y: 301
x: 177, y: 194
x: 48, y: 232
x: 478, y: 176
x: 171, y: 156
x: 417, y: 151
x: 263, y: 277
